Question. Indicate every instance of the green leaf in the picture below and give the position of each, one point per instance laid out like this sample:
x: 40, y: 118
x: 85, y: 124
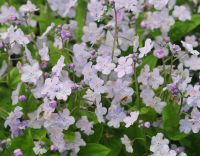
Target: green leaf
x: 92, y: 149
x: 69, y: 136
x: 14, y: 78
x: 114, y: 144
x: 98, y: 131
x: 25, y: 143
x: 80, y: 18
x: 180, y: 29
x: 171, y: 122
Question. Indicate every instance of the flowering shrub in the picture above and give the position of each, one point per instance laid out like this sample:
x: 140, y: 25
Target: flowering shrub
x: 99, y: 77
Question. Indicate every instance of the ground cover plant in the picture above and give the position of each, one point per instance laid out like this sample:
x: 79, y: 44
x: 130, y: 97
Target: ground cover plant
x: 99, y: 78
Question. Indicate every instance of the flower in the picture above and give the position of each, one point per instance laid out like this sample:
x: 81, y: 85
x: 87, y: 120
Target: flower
x: 85, y: 125
x: 92, y: 33
x: 147, y: 48
x: 182, y: 13
x: 129, y: 120
x: 38, y: 148
x: 125, y: 66
x: 44, y: 53
x: 104, y: 64
x: 189, y: 48
x: 159, y: 5
x: 31, y: 73
x: 18, y: 152
x: 128, y: 143
x: 100, y: 112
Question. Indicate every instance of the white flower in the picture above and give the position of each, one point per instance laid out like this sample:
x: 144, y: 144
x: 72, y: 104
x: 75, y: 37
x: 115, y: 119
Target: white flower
x: 76, y: 143
x: 63, y: 7
x: 31, y: 73
x: 182, y: 13
x: 193, y: 63
x: 44, y: 53
x: 104, y: 64
x: 189, y: 48
x: 128, y: 143
x: 159, y: 4
x: 158, y: 143
x: 92, y: 33
x: 92, y: 97
x: 38, y: 149
x: 153, y: 79
x: 17, y: 36
x: 100, y: 111
x: 96, y: 9
x: 115, y: 116
x: 147, y: 48
x: 28, y: 7
x: 125, y: 66
x: 192, y: 40
x: 56, y: 70
x: 85, y: 125
x: 129, y: 120
x: 15, y: 94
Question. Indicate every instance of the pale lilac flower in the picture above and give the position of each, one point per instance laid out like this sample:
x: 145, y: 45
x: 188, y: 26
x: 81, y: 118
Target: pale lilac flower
x: 104, y: 64
x: 92, y: 33
x: 31, y: 74
x: 64, y: 8
x: 44, y: 53
x: 96, y: 9
x: 15, y: 94
x: 76, y: 143
x: 158, y: 143
x: 159, y: 5
x: 56, y: 70
x: 160, y: 53
x: 28, y: 7
x: 125, y: 66
x: 153, y: 79
x: 147, y: 48
x: 38, y: 148
x: 17, y: 36
x: 185, y: 125
x: 115, y: 116
x: 92, y: 97
x: 128, y: 143
x: 130, y: 120
x: 195, y: 114
x: 182, y: 13
x: 189, y: 48
x: 193, y: 63
x: 100, y: 111
x: 192, y: 40
x: 85, y: 125
x: 8, y: 14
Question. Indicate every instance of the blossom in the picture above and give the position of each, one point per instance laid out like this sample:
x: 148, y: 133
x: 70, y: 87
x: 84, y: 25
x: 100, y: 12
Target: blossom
x: 128, y: 143
x: 104, y: 64
x: 189, y: 48
x: 159, y: 4
x: 153, y: 79
x: 193, y: 63
x: 92, y: 97
x: 96, y: 9
x: 115, y: 116
x: 44, y: 53
x: 147, y: 48
x: 92, y: 33
x: 85, y: 125
x: 125, y: 66
x: 129, y: 120
x: 28, y: 7
x: 100, y: 111
x: 31, y: 74
x: 182, y: 13
x: 38, y: 148
x: 15, y: 94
